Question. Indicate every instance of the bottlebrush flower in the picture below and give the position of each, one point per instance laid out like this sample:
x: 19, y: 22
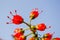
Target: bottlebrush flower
x: 57, y: 38
x: 17, y: 19
x: 34, y: 14
x: 41, y: 27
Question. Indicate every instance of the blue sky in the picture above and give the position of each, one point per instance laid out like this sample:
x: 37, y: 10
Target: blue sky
x: 50, y: 15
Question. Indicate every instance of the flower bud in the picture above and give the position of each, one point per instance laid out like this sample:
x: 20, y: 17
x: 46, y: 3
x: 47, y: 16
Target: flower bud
x: 41, y: 27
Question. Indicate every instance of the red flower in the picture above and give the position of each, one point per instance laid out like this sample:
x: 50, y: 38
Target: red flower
x: 22, y: 37
x: 57, y: 38
x: 17, y: 19
x: 48, y: 35
x: 45, y: 39
x: 34, y: 14
x: 17, y: 35
x: 41, y: 27
x: 18, y: 32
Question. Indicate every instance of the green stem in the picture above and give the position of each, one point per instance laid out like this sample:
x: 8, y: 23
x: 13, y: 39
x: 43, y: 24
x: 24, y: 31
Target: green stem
x: 27, y: 24
x: 30, y: 22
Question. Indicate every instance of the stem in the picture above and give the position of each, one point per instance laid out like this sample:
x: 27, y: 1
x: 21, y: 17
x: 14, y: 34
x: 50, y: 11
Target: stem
x: 27, y: 24
x: 30, y: 22
x: 33, y: 31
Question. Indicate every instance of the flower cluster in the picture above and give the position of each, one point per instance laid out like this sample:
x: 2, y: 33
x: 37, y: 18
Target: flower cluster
x: 19, y: 32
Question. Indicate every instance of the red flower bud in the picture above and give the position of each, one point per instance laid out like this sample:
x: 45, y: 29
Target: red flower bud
x: 19, y: 30
x: 41, y: 27
x: 17, y: 19
x: 22, y: 37
x: 16, y: 35
x: 34, y: 14
x: 48, y: 35
x: 57, y: 38
x: 47, y: 39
